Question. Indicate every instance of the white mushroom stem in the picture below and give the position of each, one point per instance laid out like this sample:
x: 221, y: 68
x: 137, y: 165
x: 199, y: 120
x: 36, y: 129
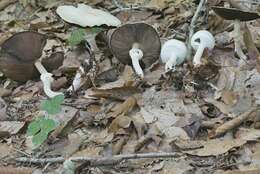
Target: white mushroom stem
x: 198, y: 54
x: 46, y: 79
x: 199, y: 41
x: 136, y: 54
x: 237, y: 40
x: 171, y: 63
x: 76, y: 84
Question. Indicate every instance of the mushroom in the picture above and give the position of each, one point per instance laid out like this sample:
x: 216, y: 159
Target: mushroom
x: 136, y: 44
x: 20, y: 55
x: 236, y: 15
x: 85, y: 15
x: 199, y: 41
x: 173, y: 53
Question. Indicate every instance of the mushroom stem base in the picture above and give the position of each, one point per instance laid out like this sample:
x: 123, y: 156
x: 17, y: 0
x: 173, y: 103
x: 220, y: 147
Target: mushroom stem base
x: 198, y: 55
x: 170, y: 64
x: 77, y: 81
x: 47, y: 79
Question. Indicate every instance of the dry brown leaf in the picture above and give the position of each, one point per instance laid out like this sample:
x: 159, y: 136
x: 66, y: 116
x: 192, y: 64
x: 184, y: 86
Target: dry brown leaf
x: 125, y: 80
x: 220, y: 105
x: 216, y: 147
x: 120, y: 122
x: 65, y: 118
x: 5, y: 150
x: 253, y: 171
x: 90, y: 151
x: 229, y: 97
x: 13, y: 170
x: 253, y: 52
x: 124, y: 108
x: 229, y: 125
x: 5, y: 3
x: 248, y: 134
x: 12, y: 127
x: 121, y: 93
x: 176, y: 167
x: 3, y: 106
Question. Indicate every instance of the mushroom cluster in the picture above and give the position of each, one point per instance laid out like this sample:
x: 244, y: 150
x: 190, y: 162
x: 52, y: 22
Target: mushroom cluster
x: 20, y: 56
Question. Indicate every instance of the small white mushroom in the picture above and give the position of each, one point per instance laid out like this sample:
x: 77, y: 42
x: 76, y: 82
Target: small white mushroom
x: 46, y: 79
x: 173, y: 53
x: 199, y: 41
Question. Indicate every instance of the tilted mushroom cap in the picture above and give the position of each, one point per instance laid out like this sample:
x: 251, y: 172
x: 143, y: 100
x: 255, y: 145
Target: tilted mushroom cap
x: 232, y: 14
x: 20, y: 51
x: 144, y: 35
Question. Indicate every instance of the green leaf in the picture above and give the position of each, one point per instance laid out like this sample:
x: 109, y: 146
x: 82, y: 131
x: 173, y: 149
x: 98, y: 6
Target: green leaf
x: 52, y: 106
x: 39, y: 138
x: 48, y: 125
x: 33, y: 127
x: 96, y: 29
x: 76, y: 37
x: 40, y: 129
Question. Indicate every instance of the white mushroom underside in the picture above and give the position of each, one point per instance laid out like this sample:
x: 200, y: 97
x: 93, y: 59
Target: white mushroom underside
x: 173, y: 48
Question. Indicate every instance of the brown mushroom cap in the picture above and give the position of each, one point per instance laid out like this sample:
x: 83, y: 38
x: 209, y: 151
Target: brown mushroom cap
x: 123, y: 38
x: 20, y: 51
x: 233, y: 14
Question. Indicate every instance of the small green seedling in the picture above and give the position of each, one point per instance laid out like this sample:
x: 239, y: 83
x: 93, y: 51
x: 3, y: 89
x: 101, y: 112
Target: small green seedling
x: 53, y: 105
x: 76, y: 37
x: 41, y: 127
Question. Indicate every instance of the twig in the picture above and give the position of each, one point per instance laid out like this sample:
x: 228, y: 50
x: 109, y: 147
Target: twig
x: 98, y: 161
x: 232, y: 123
x: 192, y: 27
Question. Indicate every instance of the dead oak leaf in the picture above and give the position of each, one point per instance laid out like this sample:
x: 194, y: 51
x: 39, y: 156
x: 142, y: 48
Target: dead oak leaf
x: 216, y: 147
x: 119, y: 122
x: 124, y: 108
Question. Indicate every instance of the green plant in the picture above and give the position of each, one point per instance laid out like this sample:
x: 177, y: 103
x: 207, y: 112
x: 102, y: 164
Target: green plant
x: 41, y: 127
x: 76, y: 37
x: 53, y: 105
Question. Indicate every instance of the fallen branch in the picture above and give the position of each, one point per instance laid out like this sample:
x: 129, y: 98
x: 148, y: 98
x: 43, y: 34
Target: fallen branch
x: 192, y: 27
x: 229, y: 125
x: 98, y: 161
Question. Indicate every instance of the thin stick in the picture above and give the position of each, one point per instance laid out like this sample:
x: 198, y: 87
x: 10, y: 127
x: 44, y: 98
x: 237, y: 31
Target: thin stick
x: 192, y: 27
x: 98, y: 161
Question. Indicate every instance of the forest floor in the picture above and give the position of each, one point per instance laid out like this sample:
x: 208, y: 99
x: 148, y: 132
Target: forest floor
x: 194, y: 120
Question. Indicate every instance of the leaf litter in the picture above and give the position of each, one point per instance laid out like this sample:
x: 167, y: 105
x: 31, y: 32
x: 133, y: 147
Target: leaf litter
x: 207, y: 117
